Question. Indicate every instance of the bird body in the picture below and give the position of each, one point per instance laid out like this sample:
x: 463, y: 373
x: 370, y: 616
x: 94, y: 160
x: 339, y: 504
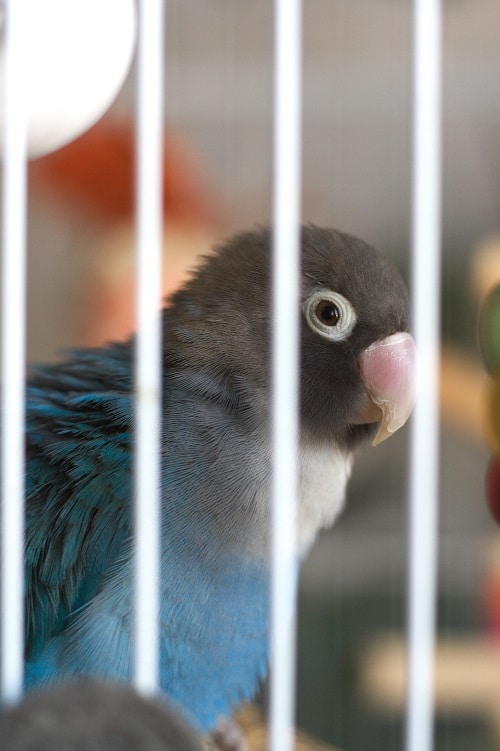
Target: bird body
x: 215, y: 466
x: 79, y: 548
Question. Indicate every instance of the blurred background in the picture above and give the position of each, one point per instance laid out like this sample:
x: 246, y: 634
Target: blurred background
x: 356, y: 171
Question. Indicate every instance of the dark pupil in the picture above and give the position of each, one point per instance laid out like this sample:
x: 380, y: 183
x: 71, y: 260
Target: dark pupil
x: 328, y: 313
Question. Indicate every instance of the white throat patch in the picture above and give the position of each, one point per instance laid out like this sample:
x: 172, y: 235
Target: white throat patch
x: 324, y: 473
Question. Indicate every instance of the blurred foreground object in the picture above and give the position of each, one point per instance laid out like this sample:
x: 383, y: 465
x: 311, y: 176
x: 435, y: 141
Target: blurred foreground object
x: 85, y: 714
x: 88, y: 715
x: 78, y: 53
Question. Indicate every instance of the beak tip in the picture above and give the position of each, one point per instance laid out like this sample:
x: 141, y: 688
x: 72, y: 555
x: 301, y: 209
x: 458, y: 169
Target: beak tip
x: 378, y: 439
x: 383, y: 433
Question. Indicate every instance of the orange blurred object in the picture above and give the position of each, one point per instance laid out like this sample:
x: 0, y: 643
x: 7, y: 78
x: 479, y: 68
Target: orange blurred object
x: 97, y: 172
x: 94, y: 176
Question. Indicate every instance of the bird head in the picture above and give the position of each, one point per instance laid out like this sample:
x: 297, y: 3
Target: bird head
x: 357, y: 357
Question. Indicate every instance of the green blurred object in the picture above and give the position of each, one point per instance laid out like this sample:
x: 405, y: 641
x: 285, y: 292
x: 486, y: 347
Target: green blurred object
x: 489, y: 331
x: 495, y: 410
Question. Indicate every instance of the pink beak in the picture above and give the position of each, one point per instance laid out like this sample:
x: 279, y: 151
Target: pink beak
x: 388, y: 372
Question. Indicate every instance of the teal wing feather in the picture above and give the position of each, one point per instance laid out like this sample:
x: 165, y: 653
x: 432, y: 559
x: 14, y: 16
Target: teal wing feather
x: 78, y: 484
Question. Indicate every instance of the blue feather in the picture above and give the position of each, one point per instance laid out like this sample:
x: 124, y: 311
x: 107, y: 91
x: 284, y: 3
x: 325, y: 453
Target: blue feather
x: 78, y: 557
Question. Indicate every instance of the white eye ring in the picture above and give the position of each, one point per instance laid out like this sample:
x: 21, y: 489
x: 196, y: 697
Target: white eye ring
x: 338, y: 319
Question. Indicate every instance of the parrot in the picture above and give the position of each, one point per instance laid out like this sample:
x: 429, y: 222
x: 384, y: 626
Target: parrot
x: 97, y: 716
x: 356, y: 386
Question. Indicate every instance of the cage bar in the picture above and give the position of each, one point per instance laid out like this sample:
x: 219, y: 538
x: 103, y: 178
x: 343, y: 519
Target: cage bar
x: 148, y: 344
x: 14, y: 204
x: 285, y: 349
x: 424, y: 449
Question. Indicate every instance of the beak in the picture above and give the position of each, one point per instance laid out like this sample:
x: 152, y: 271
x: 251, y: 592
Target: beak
x: 388, y: 372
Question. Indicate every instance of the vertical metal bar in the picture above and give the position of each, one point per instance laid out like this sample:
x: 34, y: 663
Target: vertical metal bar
x: 426, y: 241
x: 13, y: 352
x: 148, y: 346
x: 285, y: 348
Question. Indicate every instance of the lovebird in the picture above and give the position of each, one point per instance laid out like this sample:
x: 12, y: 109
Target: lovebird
x: 356, y: 376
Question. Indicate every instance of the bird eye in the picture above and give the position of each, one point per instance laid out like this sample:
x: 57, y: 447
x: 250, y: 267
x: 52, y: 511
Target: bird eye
x: 329, y: 314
